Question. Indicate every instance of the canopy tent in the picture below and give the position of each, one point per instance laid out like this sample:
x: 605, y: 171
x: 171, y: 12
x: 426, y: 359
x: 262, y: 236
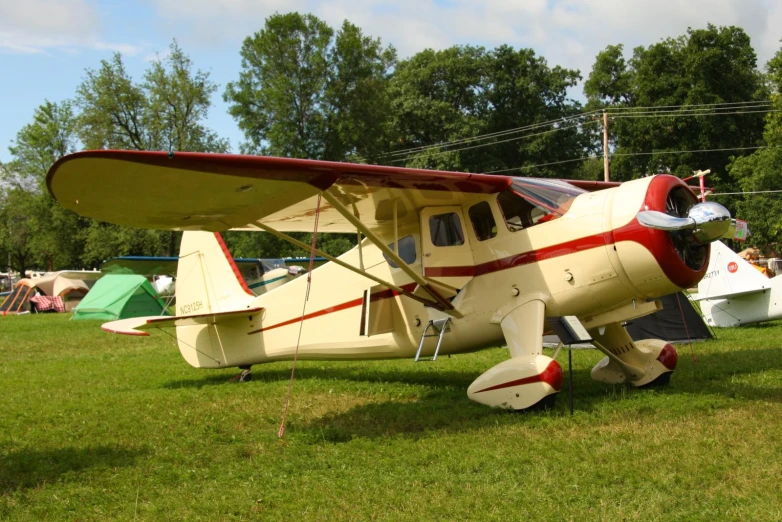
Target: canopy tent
x: 677, y: 321
x: 70, y: 285
x: 119, y: 296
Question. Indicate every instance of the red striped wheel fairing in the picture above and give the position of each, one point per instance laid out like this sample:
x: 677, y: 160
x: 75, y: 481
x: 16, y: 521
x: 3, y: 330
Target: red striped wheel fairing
x: 552, y: 375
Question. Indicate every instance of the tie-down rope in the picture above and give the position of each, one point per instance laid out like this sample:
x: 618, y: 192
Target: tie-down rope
x: 281, y: 431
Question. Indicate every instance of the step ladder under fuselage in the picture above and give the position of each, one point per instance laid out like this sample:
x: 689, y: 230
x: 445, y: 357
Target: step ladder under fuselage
x: 439, y: 326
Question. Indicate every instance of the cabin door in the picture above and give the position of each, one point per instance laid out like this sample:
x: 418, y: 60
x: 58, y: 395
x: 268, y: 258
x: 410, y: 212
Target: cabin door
x: 445, y: 248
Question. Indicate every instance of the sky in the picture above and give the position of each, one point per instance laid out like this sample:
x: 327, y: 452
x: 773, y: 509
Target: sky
x: 46, y: 45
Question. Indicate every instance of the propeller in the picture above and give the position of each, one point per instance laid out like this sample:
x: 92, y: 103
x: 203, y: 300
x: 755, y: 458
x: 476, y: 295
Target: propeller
x: 708, y: 221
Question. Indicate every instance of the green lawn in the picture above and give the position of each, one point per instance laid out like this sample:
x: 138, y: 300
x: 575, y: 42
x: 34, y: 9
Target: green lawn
x: 102, y: 427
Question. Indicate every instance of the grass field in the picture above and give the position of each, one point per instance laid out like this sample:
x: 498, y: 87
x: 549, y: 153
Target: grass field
x: 101, y: 427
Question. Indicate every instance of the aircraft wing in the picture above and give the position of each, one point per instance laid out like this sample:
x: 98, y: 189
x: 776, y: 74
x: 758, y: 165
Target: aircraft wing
x: 213, y: 192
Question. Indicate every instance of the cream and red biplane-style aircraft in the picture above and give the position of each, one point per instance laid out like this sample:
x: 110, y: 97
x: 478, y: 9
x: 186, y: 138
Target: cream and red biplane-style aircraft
x: 446, y: 263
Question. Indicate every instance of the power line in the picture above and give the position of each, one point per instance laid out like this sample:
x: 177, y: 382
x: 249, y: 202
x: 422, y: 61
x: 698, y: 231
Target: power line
x: 546, y: 164
x: 584, y: 158
x: 440, y: 153
x: 479, y: 137
x: 688, y: 151
x: 706, y: 109
x: 743, y: 193
x: 685, y: 108
x: 618, y: 108
x: 677, y: 114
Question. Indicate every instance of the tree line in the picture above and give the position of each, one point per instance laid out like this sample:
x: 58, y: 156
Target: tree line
x: 307, y: 90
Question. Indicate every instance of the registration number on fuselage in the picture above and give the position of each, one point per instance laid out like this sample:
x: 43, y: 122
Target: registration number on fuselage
x: 191, y: 308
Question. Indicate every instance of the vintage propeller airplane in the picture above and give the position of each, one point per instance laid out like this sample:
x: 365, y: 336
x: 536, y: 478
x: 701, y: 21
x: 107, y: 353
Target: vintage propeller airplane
x: 446, y: 263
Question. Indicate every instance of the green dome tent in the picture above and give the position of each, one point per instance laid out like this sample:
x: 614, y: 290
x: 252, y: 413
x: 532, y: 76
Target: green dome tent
x: 119, y: 296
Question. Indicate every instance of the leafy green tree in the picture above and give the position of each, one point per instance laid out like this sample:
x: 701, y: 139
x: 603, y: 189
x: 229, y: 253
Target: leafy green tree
x: 762, y: 171
x: 261, y: 244
x: 522, y: 90
x: 164, y: 112
x: 715, y: 65
x: 112, y: 109
x: 50, y: 136
x: 437, y: 98
x: 45, y: 234
x: 177, y: 102
x: 464, y: 92
x: 104, y: 241
x: 16, y: 229
x: 305, y: 92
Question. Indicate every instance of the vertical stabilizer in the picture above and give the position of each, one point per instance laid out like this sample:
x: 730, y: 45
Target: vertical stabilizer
x: 207, y: 278
x: 729, y: 275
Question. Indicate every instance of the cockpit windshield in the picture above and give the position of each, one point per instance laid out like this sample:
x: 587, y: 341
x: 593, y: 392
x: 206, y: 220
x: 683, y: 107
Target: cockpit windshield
x: 548, y: 194
x: 532, y: 200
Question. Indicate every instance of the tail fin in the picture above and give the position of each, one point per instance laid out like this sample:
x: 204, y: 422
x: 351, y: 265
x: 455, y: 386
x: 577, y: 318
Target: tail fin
x: 729, y: 275
x: 207, y: 278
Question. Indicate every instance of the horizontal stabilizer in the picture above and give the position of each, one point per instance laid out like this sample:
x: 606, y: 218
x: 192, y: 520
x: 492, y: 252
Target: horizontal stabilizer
x: 141, y: 325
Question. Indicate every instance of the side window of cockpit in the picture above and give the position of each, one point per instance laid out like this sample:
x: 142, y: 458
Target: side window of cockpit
x: 446, y: 230
x: 515, y: 209
x: 406, y: 251
x: 483, y: 221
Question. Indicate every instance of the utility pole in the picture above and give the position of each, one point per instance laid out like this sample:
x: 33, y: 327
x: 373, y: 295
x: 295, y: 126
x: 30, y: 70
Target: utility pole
x: 605, y: 146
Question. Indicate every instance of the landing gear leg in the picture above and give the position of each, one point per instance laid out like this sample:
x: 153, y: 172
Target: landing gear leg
x: 245, y: 375
x: 649, y: 362
x: 528, y: 379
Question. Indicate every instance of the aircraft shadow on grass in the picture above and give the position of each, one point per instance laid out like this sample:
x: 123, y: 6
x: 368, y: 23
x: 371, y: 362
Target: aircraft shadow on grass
x: 445, y: 406
x: 29, y: 468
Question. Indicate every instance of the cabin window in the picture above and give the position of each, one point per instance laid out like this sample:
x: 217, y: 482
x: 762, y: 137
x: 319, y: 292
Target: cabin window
x: 446, y: 230
x: 483, y: 221
x: 517, y: 210
x: 406, y: 251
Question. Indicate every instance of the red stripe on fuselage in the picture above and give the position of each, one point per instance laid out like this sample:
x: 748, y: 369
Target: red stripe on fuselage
x: 525, y: 258
x: 384, y: 294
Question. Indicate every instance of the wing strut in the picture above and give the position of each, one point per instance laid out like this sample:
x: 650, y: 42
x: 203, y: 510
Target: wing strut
x: 343, y: 264
x: 443, y: 304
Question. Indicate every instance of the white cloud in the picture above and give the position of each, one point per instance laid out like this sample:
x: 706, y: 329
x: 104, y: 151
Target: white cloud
x: 567, y: 32
x: 37, y: 26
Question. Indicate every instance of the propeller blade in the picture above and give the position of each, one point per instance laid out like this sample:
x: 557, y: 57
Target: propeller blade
x: 713, y: 221
x: 662, y: 221
x: 709, y: 221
